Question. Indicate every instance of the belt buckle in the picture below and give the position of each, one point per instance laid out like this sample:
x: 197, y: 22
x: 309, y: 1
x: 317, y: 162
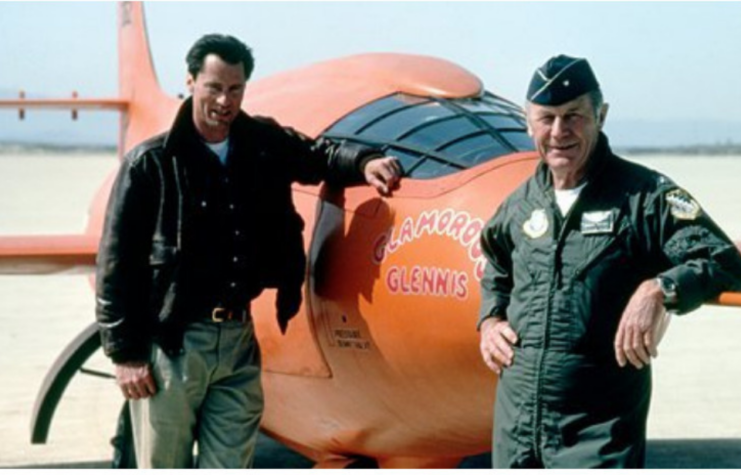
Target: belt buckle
x: 218, y: 311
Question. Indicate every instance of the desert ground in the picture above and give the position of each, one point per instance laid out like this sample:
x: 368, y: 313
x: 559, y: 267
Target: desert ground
x: 696, y: 410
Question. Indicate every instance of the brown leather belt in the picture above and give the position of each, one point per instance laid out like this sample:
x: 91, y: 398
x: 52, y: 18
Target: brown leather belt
x: 221, y: 314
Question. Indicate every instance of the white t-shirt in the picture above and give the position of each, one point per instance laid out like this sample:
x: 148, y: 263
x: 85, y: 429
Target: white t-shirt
x: 566, y: 198
x: 221, y: 149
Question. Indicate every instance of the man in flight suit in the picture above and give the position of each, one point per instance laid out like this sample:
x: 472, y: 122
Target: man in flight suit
x: 583, y: 261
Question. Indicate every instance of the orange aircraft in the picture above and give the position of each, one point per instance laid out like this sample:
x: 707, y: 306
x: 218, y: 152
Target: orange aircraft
x: 382, y: 361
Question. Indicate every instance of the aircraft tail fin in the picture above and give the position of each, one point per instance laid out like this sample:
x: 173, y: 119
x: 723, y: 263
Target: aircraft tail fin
x: 136, y: 72
x: 138, y: 84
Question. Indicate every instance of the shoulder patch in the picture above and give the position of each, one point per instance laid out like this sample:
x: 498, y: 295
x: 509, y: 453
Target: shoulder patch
x: 682, y: 205
x: 537, y: 225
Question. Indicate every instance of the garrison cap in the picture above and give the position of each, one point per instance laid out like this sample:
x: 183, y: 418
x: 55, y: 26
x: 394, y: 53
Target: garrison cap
x: 560, y: 80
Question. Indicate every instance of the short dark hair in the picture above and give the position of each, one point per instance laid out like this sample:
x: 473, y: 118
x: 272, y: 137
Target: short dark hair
x: 225, y: 47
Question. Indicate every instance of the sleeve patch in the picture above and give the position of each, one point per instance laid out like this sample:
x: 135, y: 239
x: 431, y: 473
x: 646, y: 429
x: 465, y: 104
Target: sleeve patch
x: 692, y: 242
x: 682, y: 205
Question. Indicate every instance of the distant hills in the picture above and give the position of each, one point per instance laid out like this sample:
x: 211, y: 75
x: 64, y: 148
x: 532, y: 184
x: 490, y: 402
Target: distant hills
x: 705, y: 137
x: 729, y: 149
x: 14, y: 148
x: 11, y: 147
x: 100, y: 129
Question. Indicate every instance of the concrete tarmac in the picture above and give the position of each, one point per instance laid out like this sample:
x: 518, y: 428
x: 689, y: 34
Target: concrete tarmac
x: 695, y: 419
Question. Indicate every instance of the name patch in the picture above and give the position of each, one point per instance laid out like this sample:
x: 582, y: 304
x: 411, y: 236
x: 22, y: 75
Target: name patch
x: 598, y: 222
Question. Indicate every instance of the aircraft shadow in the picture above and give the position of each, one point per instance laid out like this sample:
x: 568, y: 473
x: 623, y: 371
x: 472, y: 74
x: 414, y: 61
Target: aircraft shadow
x: 694, y: 453
x: 673, y: 453
x: 669, y: 453
x: 664, y: 453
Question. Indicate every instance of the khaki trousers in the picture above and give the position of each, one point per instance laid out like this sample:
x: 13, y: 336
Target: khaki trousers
x: 210, y: 396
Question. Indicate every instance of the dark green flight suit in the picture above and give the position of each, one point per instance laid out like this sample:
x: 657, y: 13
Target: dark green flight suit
x: 563, y: 282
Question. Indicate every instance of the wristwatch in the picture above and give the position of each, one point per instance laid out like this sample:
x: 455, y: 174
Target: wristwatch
x: 669, y: 289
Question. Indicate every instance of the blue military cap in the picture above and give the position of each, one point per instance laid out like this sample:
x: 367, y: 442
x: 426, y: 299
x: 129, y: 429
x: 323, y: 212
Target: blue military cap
x: 560, y: 80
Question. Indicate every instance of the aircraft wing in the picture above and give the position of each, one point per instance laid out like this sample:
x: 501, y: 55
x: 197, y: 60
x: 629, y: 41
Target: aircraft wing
x: 35, y: 255
x: 729, y: 299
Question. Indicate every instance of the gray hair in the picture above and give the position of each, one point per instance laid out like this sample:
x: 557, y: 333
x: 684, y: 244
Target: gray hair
x: 597, y: 100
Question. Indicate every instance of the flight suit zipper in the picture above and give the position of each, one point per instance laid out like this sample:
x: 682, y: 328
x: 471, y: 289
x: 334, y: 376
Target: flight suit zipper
x: 553, y: 285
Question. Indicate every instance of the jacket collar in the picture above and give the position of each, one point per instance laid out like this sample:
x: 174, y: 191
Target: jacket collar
x: 595, y: 165
x: 183, y: 135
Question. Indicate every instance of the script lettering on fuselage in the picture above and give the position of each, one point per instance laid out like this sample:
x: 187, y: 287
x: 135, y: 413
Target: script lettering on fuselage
x: 434, y: 281
x: 459, y: 226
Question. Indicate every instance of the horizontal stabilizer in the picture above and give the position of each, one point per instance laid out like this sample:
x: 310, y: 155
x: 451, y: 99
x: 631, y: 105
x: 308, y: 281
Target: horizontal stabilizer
x: 35, y: 255
x: 74, y: 105
x: 65, y: 104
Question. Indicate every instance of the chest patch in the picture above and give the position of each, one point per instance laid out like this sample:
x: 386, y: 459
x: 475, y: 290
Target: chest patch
x: 598, y: 222
x: 537, y: 225
x: 682, y: 205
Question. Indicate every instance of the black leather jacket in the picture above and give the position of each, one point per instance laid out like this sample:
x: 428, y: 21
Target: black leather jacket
x: 145, y: 246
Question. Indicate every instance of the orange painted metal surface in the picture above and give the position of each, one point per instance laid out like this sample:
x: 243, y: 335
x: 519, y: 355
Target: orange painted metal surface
x: 48, y: 254
x: 392, y: 302
x: 65, y: 104
x: 311, y: 99
x: 382, y: 360
x: 729, y: 299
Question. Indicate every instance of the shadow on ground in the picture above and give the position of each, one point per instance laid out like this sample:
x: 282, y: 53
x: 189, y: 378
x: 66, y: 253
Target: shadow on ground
x: 686, y: 453
x: 670, y: 453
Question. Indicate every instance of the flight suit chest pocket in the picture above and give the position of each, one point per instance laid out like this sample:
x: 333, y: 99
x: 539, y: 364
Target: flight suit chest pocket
x: 600, y: 273
x: 533, y: 259
x: 597, y: 251
x: 535, y: 248
x: 531, y: 264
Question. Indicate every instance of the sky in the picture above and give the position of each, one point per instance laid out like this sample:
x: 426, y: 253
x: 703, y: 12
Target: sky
x: 666, y: 68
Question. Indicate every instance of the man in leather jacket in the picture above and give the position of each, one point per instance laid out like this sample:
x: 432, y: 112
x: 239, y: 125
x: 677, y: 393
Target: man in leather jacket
x: 199, y: 222
x: 583, y: 260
